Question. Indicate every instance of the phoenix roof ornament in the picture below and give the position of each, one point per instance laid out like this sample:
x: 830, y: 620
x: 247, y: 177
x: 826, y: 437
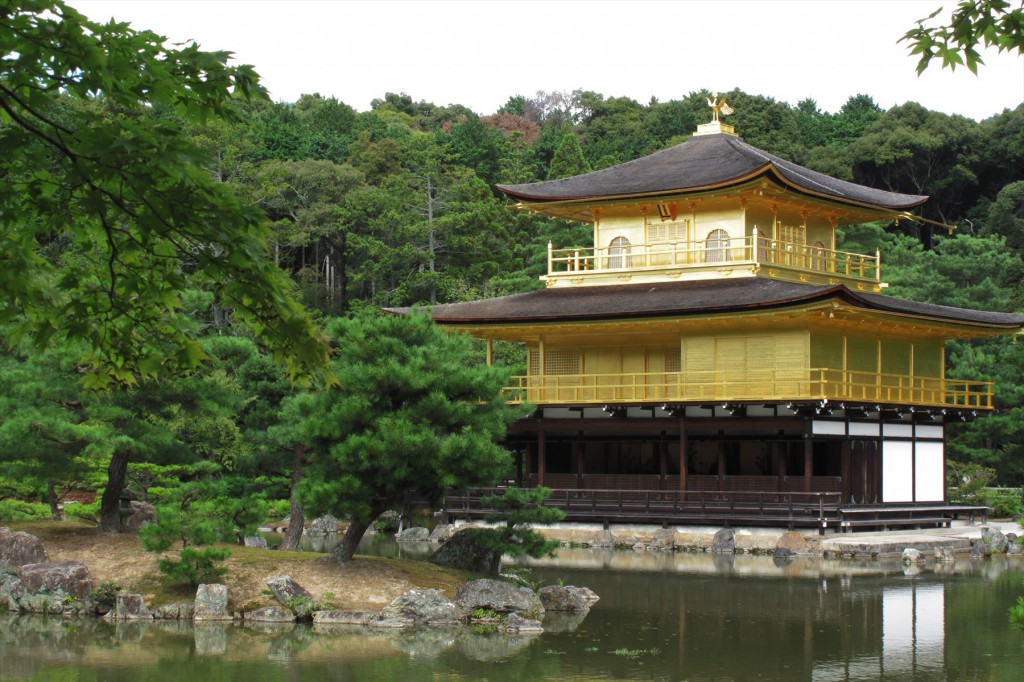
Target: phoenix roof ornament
x: 719, y: 106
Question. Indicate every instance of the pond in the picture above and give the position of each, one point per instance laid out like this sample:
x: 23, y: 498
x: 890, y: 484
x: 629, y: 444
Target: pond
x: 661, y: 617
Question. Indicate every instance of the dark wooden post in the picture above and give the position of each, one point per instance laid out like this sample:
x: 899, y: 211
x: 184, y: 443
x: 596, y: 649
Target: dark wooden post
x: 579, y: 460
x: 683, y: 459
x: 846, y: 472
x: 721, y: 462
x: 663, y: 459
x: 541, y: 454
x: 808, y: 461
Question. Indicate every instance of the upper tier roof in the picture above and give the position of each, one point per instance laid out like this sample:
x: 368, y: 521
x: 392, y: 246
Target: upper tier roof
x: 704, y: 162
x: 685, y: 298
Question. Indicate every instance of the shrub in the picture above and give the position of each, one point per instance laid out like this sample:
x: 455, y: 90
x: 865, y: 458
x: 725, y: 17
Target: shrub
x: 1017, y: 613
x: 1005, y: 502
x: 195, y: 566
x: 966, y: 481
x: 16, y: 510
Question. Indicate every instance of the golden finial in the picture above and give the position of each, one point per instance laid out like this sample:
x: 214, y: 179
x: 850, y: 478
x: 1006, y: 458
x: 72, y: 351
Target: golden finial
x: 719, y: 106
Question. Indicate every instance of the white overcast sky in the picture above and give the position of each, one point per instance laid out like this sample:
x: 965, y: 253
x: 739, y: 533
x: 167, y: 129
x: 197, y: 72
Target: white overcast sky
x: 480, y: 52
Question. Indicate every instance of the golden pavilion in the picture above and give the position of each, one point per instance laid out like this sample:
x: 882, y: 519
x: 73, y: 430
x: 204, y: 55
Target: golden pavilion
x: 712, y: 357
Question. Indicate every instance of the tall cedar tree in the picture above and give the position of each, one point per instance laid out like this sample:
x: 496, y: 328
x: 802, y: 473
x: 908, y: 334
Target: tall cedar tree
x: 568, y: 159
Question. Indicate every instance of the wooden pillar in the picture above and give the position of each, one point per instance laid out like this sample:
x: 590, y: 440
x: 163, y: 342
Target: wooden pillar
x: 721, y: 462
x: 683, y: 459
x: 541, y: 455
x: 844, y: 457
x: 490, y: 352
x: 782, y: 448
x: 808, y: 461
x: 579, y: 460
x: 663, y: 459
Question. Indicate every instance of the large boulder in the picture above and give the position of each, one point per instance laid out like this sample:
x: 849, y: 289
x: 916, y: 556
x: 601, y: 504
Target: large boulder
x: 211, y: 603
x: 791, y: 543
x: 138, y: 515
x: 64, y: 578
x: 994, y: 541
x: 129, y: 607
x: 442, y: 533
x: 177, y: 611
x: 421, y: 606
x: 413, y: 534
x: 325, y: 525
x: 564, y: 598
x: 271, y: 614
x: 724, y: 541
x: 500, y: 597
x: 19, y: 548
x: 345, y: 617
x: 465, y: 552
x: 257, y: 541
x: 912, y: 556
x: 292, y: 595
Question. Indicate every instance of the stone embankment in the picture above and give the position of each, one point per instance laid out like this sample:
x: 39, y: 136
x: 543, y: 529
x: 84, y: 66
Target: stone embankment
x: 31, y: 583
x: 978, y: 541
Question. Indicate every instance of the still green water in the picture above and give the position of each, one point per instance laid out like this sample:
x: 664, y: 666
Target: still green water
x: 661, y: 617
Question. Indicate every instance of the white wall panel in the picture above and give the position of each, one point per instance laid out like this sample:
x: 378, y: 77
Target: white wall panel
x: 930, y: 485
x: 897, y: 471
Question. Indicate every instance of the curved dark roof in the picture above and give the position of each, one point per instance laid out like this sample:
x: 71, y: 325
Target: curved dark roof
x: 690, y: 298
x: 702, y: 162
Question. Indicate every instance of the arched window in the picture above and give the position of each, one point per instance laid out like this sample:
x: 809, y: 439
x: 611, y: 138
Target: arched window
x: 818, y: 258
x: 618, y: 253
x: 715, y: 247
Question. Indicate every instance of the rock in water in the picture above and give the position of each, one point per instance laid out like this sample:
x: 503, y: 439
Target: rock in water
x: 413, y: 534
x: 724, y: 541
x: 129, y: 607
x: 212, y: 603
x: 500, y: 597
x: 58, y: 577
x: 421, y: 606
x: 325, y: 525
x: 563, y: 598
x: 791, y: 543
x: 994, y: 540
x: 464, y: 552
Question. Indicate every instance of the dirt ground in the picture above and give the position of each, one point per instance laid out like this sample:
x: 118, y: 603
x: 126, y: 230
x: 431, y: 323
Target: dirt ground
x: 365, y: 583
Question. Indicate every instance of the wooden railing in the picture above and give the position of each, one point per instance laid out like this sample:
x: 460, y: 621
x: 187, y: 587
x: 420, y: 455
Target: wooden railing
x: 750, y: 385
x: 714, y: 254
x: 791, y: 509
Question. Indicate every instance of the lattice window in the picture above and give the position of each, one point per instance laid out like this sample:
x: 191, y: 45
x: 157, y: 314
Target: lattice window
x: 561, y: 361
x: 673, y: 360
x: 716, y: 246
x: 556, y: 361
x: 618, y: 253
x: 665, y: 232
x: 793, y: 234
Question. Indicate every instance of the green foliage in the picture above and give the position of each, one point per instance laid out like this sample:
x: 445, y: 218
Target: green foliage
x: 568, y: 159
x: 410, y: 415
x: 195, y: 566
x: 98, y: 166
x: 973, y: 24
x: 305, y: 607
x: 518, y: 508
x: 1006, y: 503
x: 16, y: 510
x: 966, y: 482
x: 1017, y: 613
x: 105, y: 594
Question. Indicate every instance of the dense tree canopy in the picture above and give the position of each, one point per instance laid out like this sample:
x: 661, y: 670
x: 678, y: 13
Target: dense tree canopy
x: 107, y: 208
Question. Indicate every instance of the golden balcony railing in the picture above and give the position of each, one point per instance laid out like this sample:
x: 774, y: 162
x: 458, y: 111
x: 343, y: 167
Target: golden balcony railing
x: 749, y: 385
x: 713, y: 254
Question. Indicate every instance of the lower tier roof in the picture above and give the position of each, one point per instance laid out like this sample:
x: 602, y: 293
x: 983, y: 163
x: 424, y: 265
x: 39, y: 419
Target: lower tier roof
x: 703, y: 297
